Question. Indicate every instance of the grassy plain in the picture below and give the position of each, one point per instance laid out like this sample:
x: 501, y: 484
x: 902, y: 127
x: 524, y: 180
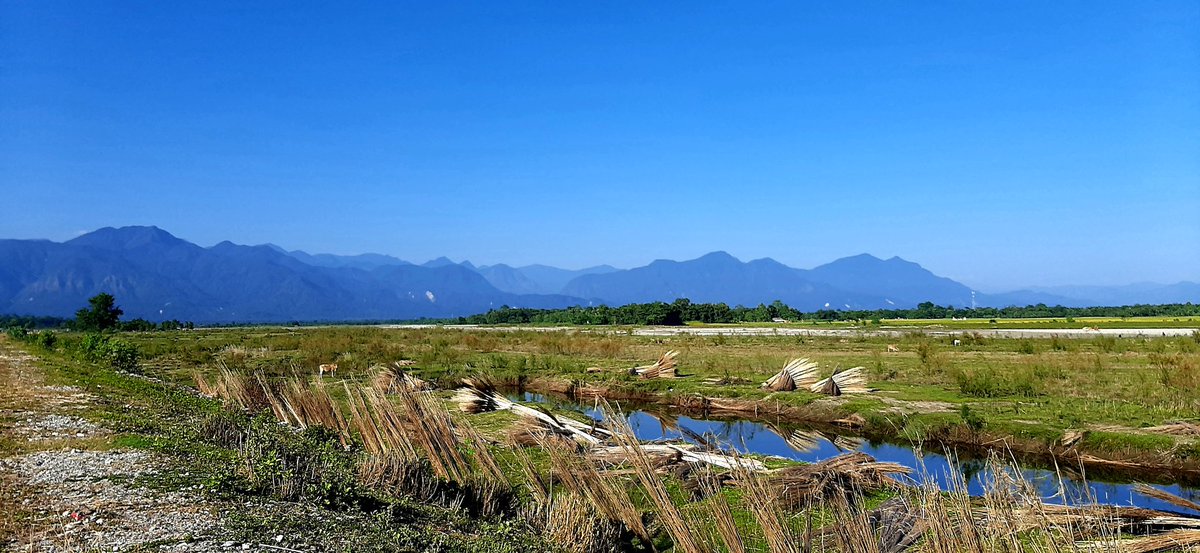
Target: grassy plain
x: 1029, y: 391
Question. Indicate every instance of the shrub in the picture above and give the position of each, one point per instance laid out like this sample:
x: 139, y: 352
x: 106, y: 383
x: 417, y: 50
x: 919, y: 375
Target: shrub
x: 46, y: 339
x: 117, y: 353
x: 973, y: 420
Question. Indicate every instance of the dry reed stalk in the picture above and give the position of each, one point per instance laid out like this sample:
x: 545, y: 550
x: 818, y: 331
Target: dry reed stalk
x: 206, y: 389
x: 482, y: 454
x: 1166, y: 496
x: 432, y: 430
x: 722, y: 515
x: 672, y: 518
x: 1175, y: 540
x: 764, y: 503
x: 392, y: 378
x: 570, y: 521
x: 605, y: 493
x: 539, y: 487
x: 383, y: 428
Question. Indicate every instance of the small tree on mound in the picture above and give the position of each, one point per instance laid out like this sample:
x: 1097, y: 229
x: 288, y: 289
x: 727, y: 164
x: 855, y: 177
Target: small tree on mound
x: 102, y: 314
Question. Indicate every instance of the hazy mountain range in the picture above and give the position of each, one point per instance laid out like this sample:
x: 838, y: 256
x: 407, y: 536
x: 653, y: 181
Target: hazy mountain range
x: 158, y: 276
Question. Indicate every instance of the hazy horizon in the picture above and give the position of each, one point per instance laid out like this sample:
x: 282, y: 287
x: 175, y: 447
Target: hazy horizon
x: 1002, y: 146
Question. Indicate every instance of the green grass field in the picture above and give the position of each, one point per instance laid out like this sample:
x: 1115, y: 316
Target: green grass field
x: 1030, y: 391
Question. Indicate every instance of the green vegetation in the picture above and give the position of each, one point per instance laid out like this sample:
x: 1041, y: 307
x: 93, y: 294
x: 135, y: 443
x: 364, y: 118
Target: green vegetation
x: 684, y: 311
x: 930, y: 389
x: 101, y: 314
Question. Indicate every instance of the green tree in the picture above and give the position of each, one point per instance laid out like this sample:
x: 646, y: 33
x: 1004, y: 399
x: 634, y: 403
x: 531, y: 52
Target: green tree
x: 102, y: 314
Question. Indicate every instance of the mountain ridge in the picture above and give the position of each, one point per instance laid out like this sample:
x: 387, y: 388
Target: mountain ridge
x: 157, y: 275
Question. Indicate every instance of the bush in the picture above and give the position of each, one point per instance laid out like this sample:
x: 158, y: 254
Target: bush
x: 46, y: 339
x: 973, y: 420
x: 114, y: 352
x: 308, y: 465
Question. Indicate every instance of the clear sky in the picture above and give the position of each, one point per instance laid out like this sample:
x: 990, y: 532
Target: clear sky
x: 1002, y: 144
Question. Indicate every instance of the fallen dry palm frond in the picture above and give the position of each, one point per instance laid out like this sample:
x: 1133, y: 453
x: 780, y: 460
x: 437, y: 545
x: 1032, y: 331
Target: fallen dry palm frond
x: 663, y: 368
x: 1163, y: 495
x: 849, y: 381
x: 393, y: 377
x: 796, y: 374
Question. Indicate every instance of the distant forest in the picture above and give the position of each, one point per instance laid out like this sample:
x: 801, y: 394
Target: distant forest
x: 683, y: 311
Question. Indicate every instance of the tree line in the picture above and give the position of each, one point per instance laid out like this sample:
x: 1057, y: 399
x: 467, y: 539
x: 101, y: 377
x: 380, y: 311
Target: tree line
x: 684, y: 311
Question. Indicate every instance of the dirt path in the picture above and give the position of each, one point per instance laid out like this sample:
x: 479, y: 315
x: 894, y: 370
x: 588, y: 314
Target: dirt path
x: 63, y: 487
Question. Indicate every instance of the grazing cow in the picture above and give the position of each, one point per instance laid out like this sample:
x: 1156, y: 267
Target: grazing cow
x: 326, y: 368
x: 957, y: 342
x: 893, y: 348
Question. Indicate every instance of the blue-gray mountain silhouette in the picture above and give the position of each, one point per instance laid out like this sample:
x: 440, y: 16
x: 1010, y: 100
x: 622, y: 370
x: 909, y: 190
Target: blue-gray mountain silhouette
x: 158, y: 276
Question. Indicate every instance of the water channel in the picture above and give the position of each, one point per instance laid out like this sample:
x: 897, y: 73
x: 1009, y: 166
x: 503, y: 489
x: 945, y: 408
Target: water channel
x: 800, y: 443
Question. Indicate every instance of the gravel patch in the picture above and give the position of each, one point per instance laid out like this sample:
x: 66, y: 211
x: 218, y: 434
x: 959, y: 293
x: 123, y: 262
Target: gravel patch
x: 89, y: 503
x: 36, y: 427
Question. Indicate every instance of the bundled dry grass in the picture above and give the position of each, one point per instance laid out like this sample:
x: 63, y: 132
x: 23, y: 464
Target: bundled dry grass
x: 858, y: 472
x: 796, y: 374
x: 663, y: 368
x: 849, y: 381
x: 801, y: 373
x: 302, y: 404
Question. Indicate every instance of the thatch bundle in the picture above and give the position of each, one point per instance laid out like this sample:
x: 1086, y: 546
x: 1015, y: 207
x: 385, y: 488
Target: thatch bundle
x: 663, y: 368
x: 849, y: 381
x: 802, y: 373
x: 798, y: 373
x: 392, y: 378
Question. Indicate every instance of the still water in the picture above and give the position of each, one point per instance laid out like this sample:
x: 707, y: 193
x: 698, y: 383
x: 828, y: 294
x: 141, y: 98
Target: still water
x: 810, y: 445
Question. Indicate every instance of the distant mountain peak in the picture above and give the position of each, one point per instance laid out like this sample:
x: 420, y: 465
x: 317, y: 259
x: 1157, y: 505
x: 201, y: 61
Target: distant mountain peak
x: 439, y: 262
x: 130, y: 237
x: 719, y: 255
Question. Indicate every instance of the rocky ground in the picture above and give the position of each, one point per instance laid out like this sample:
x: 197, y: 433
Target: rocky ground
x: 66, y: 488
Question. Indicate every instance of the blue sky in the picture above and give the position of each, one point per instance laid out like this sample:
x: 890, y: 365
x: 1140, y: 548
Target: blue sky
x: 1002, y: 144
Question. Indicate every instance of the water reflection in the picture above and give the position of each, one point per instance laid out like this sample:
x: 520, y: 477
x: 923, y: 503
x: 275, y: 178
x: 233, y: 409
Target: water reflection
x: 812, y: 445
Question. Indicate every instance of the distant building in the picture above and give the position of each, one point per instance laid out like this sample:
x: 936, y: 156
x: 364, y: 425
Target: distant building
x: 780, y: 320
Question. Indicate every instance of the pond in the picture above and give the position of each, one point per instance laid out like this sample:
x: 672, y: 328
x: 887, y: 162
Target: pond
x: 807, y: 444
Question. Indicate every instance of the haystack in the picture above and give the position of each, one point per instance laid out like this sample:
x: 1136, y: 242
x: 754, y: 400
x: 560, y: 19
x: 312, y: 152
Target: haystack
x: 663, y: 368
x: 798, y: 373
